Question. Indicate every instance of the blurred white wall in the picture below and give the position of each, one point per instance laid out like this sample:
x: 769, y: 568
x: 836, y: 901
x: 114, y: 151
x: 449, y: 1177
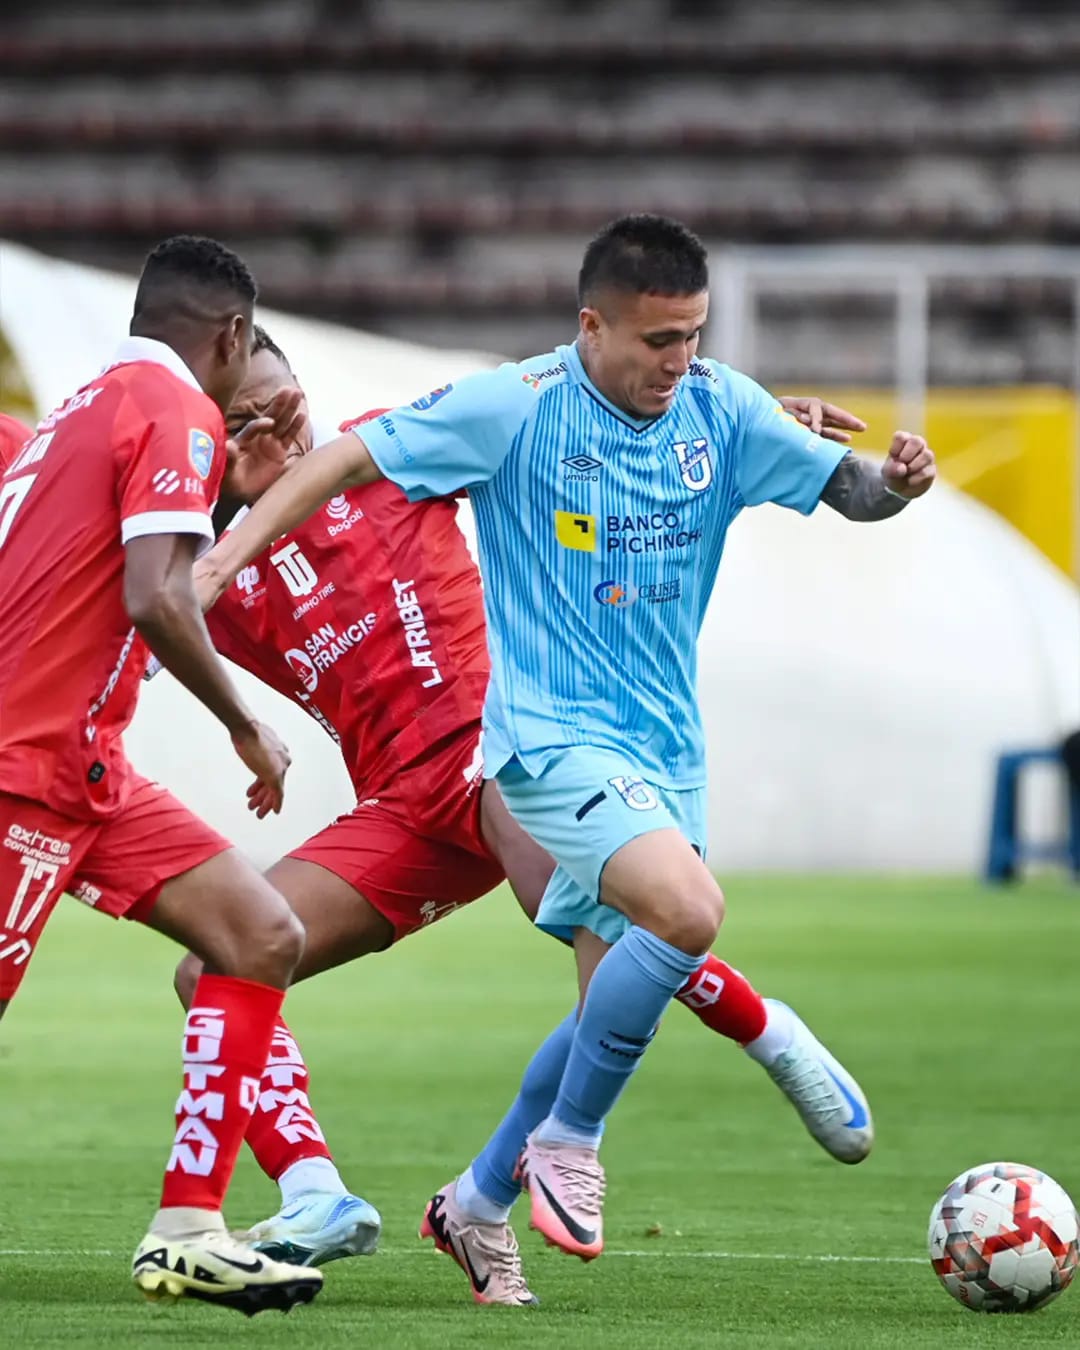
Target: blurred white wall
x: 857, y: 680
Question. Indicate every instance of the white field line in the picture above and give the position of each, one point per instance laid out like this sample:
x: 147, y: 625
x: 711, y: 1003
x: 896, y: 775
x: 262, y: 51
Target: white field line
x: 644, y: 1253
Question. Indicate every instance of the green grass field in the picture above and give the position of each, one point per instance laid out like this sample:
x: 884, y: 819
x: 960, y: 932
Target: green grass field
x: 956, y: 1006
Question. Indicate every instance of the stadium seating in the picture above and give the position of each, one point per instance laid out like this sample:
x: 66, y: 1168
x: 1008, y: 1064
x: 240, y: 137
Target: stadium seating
x: 431, y: 169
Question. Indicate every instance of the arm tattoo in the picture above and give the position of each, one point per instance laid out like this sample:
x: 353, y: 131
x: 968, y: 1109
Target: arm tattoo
x: 857, y: 490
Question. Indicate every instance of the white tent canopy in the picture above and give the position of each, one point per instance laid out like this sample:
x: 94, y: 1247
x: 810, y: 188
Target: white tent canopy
x: 857, y: 680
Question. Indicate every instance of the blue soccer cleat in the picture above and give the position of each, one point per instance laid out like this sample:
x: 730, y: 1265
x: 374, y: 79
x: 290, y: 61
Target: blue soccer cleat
x: 318, y: 1228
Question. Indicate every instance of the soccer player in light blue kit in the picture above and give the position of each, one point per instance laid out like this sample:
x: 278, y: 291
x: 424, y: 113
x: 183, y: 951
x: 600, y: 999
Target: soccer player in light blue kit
x: 603, y: 478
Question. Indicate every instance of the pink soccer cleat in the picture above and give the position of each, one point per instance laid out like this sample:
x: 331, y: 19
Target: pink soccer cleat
x: 566, y: 1188
x: 486, y: 1252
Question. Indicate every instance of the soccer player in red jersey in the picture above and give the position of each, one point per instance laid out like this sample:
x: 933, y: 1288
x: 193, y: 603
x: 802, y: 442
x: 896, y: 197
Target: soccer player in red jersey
x: 370, y: 615
x: 13, y: 434
x: 102, y: 513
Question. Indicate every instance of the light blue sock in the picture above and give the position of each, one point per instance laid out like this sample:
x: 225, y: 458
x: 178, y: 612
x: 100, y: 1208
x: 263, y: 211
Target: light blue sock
x: 629, y: 991
x: 493, y: 1168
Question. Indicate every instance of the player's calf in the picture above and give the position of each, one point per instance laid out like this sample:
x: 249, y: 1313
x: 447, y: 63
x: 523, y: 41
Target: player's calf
x: 725, y: 1001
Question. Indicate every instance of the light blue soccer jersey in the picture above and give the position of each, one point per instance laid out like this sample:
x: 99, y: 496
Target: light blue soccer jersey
x: 600, y: 536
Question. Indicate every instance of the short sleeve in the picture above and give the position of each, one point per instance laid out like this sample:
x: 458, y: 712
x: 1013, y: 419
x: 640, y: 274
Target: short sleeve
x: 778, y: 459
x: 172, y: 471
x: 455, y: 437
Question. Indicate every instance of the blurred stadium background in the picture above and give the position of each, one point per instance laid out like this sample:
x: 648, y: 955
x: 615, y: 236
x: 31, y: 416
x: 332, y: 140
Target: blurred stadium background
x: 891, y: 198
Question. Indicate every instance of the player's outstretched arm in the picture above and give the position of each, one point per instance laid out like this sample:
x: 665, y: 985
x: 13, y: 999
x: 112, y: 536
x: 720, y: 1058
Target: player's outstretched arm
x: 863, y: 491
x: 339, y: 464
x: 159, y: 596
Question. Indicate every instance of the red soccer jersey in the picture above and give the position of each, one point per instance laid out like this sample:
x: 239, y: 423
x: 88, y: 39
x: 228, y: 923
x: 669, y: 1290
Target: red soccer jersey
x: 370, y: 614
x: 13, y: 435
x: 140, y: 450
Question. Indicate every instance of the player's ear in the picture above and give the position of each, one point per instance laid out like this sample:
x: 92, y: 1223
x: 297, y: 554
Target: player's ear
x: 589, y: 319
x: 234, y: 338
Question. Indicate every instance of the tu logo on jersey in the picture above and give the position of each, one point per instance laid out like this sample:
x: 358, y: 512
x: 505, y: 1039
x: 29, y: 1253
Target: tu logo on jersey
x: 695, y: 466
x: 295, y: 571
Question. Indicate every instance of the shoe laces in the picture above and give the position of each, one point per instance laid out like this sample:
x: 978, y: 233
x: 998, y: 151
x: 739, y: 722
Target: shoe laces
x: 581, y: 1179
x: 498, y: 1245
x: 804, y: 1080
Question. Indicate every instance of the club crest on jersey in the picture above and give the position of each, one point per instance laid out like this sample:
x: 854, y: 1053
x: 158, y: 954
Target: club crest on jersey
x: 200, y: 451
x: 695, y: 466
x: 426, y: 401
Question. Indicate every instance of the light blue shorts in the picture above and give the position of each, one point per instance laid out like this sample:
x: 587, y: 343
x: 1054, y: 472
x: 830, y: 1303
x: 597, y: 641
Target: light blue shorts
x: 585, y: 806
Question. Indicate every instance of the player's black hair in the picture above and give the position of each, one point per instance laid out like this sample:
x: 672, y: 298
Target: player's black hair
x: 191, y: 278
x: 263, y: 342
x: 643, y: 253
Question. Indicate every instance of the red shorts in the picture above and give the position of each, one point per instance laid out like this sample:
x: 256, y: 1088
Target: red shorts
x: 117, y: 866
x: 415, y: 852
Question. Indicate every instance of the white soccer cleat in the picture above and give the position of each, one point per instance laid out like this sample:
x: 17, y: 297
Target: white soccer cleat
x: 832, y: 1105
x: 215, y: 1268
x: 318, y: 1228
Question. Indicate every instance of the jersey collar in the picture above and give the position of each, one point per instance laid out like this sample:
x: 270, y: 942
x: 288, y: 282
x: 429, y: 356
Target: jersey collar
x: 577, y: 368
x: 149, y: 349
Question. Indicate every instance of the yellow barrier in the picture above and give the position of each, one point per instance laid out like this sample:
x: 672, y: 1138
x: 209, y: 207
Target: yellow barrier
x: 1014, y: 449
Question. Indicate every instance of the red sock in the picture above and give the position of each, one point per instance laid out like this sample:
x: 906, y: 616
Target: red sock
x: 725, y: 1001
x: 226, y: 1039
x: 283, y: 1128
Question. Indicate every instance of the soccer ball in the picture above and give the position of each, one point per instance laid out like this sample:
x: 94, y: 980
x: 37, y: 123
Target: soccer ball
x: 1003, y: 1238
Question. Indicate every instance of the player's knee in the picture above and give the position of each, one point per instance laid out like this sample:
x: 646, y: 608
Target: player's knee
x: 186, y: 977
x: 689, y: 920
x: 281, y: 945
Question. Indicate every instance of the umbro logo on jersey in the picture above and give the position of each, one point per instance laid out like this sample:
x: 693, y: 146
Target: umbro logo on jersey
x: 582, y: 469
x: 166, y: 481
x: 576, y: 531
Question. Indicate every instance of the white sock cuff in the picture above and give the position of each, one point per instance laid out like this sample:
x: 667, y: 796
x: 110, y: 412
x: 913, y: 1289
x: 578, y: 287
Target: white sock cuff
x: 310, y: 1174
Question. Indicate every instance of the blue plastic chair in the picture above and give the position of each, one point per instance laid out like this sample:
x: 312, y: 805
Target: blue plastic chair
x: 1007, y: 851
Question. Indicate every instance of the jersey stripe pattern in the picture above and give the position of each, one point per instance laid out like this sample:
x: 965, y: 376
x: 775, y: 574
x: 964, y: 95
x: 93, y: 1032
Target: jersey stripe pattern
x: 600, y: 538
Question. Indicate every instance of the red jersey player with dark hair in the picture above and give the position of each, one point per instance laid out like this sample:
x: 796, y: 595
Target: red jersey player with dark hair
x: 102, y: 513
x: 370, y: 615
